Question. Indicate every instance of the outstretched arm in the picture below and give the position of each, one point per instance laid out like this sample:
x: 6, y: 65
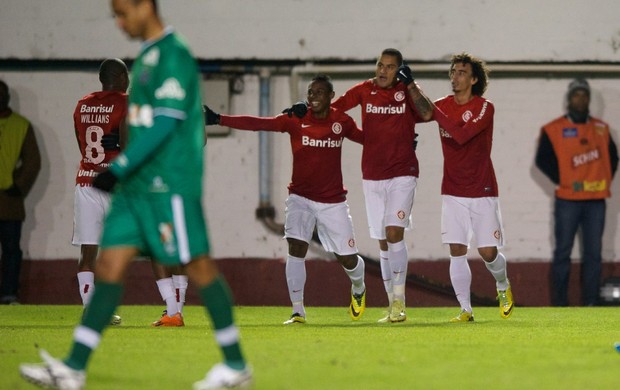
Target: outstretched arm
x: 247, y: 122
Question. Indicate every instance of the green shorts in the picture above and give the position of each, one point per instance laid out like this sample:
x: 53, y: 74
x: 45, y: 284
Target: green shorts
x: 168, y: 227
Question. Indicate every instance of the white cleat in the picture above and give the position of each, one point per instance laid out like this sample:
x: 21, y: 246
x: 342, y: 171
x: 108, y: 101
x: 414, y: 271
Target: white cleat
x: 223, y: 377
x: 397, y: 313
x: 53, y: 374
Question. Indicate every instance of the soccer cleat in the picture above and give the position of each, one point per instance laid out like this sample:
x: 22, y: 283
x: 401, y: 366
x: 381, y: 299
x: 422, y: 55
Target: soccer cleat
x: 506, y: 303
x: 358, y: 305
x: 115, y: 320
x: 166, y: 320
x: 295, y: 318
x: 397, y: 313
x: 53, y: 374
x: 223, y: 377
x: 464, y: 316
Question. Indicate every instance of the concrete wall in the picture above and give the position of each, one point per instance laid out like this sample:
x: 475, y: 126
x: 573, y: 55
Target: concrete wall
x: 530, y: 31
x: 429, y: 30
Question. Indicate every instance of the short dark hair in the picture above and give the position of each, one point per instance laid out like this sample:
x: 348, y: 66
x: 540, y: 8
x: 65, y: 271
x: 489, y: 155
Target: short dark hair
x: 394, y: 53
x: 112, y: 71
x: 479, y: 70
x: 323, y: 78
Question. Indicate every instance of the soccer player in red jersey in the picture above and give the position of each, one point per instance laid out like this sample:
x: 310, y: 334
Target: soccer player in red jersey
x: 317, y: 196
x: 469, y: 188
x: 390, y: 110
x: 99, y: 122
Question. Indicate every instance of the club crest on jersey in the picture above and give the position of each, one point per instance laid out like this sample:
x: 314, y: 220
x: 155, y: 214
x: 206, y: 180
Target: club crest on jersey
x: 467, y: 116
x: 170, y: 89
x: 497, y: 234
x: 400, y: 214
x: 399, y: 96
x: 151, y: 58
x: 140, y: 115
x: 166, y: 237
x: 337, y: 128
x: 351, y: 242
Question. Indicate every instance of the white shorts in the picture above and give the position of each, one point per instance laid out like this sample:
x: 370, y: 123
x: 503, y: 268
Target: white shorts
x: 90, y: 206
x: 332, y: 220
x: 389, y: 203
x: 465, y: 218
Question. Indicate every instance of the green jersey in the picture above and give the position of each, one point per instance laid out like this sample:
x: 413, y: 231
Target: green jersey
x: 165, y: 120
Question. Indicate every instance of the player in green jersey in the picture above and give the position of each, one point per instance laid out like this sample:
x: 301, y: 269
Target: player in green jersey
x: 156, y: 203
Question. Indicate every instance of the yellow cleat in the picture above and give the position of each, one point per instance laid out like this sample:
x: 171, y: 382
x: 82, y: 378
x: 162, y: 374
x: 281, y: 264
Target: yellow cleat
x: 358, y: 305
x: 464, y: 316
x: 397, y: 312
x: 296, y: 318
x: 506, y: 304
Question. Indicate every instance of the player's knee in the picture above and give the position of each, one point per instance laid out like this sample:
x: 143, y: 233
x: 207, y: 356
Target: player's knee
x: 347, y: 261
x: 488, y: 254
x: 394, y: 234
x: 297, y: 248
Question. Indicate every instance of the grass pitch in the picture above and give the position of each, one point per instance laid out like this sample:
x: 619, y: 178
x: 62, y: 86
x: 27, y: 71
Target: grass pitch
x: 537, y: 348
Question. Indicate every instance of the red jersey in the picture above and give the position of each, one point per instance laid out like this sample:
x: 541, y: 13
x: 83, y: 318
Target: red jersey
x: 317, y: 149
x: 388, y: 122
x: 466, y: 137
x: 95, y: 115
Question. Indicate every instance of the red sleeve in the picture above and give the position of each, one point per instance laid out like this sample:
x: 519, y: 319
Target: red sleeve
x: 462, y: 134
x: 354, y: 133
x: 280, y: 123
x: 349, y: 100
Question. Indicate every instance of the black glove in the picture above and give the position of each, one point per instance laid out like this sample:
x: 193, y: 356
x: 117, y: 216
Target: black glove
x: 105, y: 181
x: 298, y: 109
x: 111, y: 141
x: 211, y: 117
x: 404, y: 74
x: 13, y: 191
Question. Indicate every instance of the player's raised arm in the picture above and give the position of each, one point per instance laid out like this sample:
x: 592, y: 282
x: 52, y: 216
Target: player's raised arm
x: 423, y: 104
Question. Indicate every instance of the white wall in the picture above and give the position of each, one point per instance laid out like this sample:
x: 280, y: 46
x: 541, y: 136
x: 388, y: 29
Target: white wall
x: 271, y: 30
x: 428, y: 30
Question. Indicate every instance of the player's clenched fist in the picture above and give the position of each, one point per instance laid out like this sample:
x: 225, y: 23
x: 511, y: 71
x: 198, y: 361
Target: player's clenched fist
x: 211, y: 117
x: 105, y: 181
x: 298, y: 109
x: 404, y: 74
